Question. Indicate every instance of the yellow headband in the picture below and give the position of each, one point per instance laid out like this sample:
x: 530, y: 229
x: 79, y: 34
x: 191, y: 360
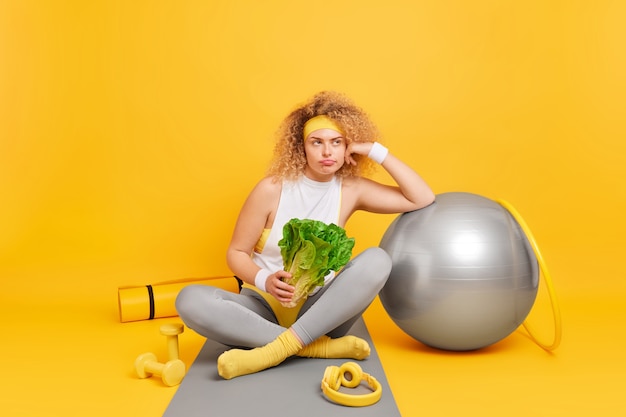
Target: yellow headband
x: 320, y: 122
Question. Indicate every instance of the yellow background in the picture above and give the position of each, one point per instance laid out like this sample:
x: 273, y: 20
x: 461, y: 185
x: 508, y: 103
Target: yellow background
x: 132, y: 131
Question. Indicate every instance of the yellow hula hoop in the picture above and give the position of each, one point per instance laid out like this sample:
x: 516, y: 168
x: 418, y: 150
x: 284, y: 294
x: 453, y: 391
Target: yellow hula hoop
x: 544, y: 271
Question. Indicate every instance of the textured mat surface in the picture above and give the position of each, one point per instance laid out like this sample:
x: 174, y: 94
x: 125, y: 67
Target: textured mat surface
x: 290, y: 389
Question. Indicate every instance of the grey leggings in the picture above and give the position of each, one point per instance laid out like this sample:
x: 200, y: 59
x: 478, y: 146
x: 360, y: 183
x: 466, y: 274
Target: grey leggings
x: 246, y: 320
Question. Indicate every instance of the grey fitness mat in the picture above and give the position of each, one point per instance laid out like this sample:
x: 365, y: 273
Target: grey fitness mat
x: 290, y: 389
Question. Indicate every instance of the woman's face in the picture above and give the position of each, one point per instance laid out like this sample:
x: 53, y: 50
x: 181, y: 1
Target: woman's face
x: 325, y: 154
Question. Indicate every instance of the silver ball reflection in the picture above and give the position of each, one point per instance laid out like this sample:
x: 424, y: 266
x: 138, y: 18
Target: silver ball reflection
x: 464, y: 275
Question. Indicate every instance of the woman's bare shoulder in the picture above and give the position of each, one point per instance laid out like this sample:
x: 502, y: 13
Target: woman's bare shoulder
x: 354, y: 184
x: 360, y: 192
x: 351, y: 189
x: 267, y: 187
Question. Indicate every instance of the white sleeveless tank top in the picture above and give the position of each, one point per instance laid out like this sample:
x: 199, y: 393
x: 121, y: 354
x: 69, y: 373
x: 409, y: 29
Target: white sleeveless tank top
x: 302, y: 199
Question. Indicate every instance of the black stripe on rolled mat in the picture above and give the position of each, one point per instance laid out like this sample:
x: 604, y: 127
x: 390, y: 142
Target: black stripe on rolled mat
x: 239, y: 283
x: 151, y: 300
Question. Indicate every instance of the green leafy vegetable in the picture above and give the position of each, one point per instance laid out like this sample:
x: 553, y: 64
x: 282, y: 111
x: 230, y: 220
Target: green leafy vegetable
x: 310, y: 250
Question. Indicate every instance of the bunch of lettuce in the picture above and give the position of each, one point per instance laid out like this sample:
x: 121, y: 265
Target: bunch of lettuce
x: 310, y: 250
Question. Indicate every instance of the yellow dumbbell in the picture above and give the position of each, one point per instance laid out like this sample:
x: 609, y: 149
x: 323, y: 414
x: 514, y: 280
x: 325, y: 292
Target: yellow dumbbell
x: 171, y: 372
x: 171, y: 332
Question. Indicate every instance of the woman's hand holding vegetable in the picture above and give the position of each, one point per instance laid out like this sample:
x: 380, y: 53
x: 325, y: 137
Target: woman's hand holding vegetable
x: 277, y: 287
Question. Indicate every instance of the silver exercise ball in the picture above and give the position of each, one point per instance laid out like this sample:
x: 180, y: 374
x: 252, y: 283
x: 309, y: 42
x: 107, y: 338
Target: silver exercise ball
x: 464, y: 274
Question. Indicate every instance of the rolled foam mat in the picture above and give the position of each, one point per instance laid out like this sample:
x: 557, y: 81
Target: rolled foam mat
x: 146, y: 302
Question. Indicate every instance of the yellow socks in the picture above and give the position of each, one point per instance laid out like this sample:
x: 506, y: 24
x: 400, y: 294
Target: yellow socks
x: 346, y: 347
x: 237, y: 362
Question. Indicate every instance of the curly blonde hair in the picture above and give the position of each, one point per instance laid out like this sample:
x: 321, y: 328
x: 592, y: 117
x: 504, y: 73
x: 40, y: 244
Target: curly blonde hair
x: 289, y: 159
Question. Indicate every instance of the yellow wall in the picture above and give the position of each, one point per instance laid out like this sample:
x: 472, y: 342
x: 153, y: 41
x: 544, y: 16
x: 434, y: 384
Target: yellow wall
x: 131, y: 131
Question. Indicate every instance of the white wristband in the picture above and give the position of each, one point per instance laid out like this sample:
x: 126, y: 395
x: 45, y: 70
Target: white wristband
x: 378, y: 153
x: 261, y: 278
